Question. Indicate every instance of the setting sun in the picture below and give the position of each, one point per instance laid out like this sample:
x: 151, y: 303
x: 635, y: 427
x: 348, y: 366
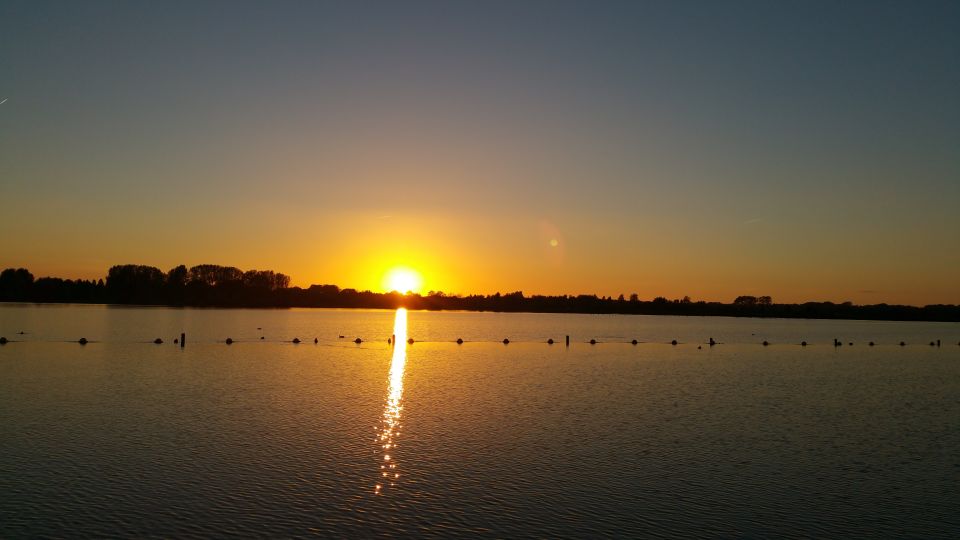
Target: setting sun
x: 404, y: 280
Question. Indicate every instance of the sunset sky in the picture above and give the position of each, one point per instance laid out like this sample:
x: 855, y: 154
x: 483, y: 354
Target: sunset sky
x: 802, y: 150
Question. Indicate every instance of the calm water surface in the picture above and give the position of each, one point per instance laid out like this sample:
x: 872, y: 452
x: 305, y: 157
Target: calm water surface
x: 122, y: 437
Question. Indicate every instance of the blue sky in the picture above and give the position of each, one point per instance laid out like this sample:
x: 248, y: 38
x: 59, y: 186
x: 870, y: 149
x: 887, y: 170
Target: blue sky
x: 805, y: 150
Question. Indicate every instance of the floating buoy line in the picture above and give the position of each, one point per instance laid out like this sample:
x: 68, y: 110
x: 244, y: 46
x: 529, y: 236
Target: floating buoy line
x: 181, y: 341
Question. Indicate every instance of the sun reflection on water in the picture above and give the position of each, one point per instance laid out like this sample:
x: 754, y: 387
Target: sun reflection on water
x: 390, y: 423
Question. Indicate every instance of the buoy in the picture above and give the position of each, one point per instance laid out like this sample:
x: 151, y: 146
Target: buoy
x: 410, y: 341
x: 634, y: 342
x: 902, y: 343
x: 229, y: 341
x: 158, y: 341
x: 931, y: 344
x: 674, y: 342
x: 699, y: 347
x: 459, y: 341
x: 296, y: 340
x: 712, y: 342
x: 870, y: 344
x: 175, y: 340
x: 261, y: 337
x: 593, y: 342
x: 803, y: 343
x: 765, y: 343
x: 315, y: 341
x: 851, y: 344
x: 506, y: 341
x: 3, y: 341
x: 83, y: 341
x: 341, y: 337
x: 358, y: 341
x: 550, y: 341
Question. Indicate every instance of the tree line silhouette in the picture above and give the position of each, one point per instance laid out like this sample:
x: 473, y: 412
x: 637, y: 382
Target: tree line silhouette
x: 210, y: 285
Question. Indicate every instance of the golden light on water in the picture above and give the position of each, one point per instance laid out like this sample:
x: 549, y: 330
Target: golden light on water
x: 390, y: 423
x: 403, y: 280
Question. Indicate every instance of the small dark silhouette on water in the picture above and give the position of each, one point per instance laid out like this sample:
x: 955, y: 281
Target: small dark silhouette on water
x: 210, y: 285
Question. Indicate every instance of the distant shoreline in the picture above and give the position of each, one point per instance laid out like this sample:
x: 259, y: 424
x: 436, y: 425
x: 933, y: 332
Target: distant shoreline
x: 455, y: 310
x: 213, y: 286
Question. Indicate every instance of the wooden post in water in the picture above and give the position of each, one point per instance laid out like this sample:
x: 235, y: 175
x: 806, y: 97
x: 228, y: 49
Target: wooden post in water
x: 183, y: 339
x: 568, y: 341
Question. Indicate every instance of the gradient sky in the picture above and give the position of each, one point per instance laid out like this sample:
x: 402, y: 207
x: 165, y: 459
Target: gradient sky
x: 803, y: 150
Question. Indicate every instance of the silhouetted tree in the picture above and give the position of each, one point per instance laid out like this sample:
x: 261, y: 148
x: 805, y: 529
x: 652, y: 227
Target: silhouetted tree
x: 135, y: 284
x: 15, y: 285
x: 178, y: 276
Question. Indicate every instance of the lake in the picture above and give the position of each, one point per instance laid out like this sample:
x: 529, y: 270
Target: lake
x: 264, y: 437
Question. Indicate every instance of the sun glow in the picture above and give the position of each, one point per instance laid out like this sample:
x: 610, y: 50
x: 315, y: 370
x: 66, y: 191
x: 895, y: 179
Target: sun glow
x: 404, y: 280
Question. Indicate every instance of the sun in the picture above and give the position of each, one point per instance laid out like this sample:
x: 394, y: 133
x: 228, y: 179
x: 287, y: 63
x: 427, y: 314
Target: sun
x: 403, y: 279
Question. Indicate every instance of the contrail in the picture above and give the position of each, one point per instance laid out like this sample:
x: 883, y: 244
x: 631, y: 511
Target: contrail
x: 4, y: 101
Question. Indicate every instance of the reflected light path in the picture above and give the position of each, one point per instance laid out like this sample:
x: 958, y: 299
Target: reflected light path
x: 390, y: 423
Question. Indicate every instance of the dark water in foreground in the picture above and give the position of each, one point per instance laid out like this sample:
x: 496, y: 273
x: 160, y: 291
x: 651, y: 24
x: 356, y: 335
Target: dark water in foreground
x: 266, y: 438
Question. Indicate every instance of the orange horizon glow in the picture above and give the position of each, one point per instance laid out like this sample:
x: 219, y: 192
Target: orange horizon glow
x: 465, y: 272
